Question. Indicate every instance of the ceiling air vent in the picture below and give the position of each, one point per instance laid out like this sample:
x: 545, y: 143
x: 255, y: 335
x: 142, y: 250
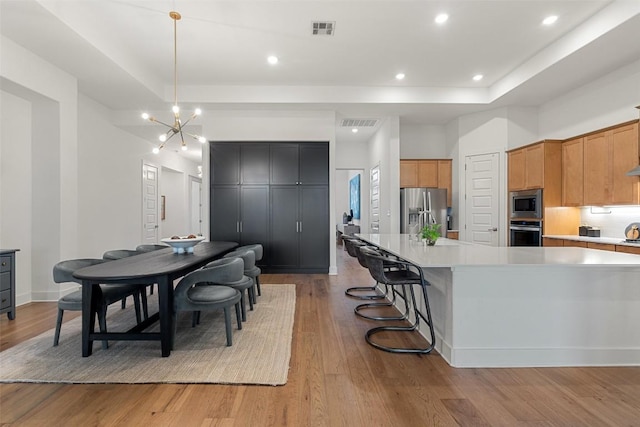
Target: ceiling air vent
x: 323, y: 28
x: 359, y: 123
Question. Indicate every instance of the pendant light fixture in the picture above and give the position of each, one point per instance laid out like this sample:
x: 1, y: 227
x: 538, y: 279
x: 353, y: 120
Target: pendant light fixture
x: 178, y: 126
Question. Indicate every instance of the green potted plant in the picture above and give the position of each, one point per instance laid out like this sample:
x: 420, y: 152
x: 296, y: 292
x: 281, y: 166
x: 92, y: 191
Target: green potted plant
x: 430, y: 233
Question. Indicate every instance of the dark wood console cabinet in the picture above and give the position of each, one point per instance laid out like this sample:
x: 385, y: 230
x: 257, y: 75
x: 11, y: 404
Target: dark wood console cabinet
x: 8, y: 282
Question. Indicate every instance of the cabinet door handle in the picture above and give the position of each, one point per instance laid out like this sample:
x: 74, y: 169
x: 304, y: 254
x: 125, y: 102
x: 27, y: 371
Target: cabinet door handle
x: 4, y: 263
x: 300, y: 226
x: 241, y: 226
x: 237, y: 226
x: 297, y: 228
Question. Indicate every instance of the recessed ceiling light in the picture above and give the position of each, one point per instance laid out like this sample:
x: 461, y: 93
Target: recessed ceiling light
x: 400, y: 76
x: 354, y: 130
x: 478, y: 77
x: 441, y: 18
x: 549, y: 20
x: 273, y: 60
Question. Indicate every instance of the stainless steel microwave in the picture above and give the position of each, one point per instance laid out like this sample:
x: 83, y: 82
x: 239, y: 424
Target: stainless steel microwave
x: 526, y: 204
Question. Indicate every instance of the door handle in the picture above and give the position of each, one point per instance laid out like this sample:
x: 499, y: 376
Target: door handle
x: 493, y: 229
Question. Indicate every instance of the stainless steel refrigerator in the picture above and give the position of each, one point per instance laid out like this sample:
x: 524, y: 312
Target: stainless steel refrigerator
x: 420, y: 206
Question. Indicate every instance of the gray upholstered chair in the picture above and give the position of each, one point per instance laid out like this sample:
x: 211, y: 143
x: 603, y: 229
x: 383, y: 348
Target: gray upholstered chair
x: 125, y: 253
x: 245, y: 283
x: 206, y: 290
x: 404, y: 275
x: 109, y: 294
x: 258, y: 251
x: 250, y: 269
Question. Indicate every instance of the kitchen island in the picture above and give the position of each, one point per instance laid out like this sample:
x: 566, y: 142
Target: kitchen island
x: 527, y: 306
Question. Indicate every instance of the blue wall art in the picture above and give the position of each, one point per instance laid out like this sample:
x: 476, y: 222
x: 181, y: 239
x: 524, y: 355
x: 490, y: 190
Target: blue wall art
x: 354, y: 196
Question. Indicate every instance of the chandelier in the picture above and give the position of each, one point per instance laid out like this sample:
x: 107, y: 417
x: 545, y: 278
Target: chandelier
x: 178, y: 126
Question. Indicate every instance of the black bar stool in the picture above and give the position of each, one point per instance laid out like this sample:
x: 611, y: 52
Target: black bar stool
x: 351, y: 244
x: 404, y: 276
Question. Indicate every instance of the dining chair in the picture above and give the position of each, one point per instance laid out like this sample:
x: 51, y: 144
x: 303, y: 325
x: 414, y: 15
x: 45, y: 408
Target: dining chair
x: 244, y: 283
x: 206, y: 290
x: 250, y: 269
x: 109, y: 294
x: 125, y: 253
x: 258, y: 251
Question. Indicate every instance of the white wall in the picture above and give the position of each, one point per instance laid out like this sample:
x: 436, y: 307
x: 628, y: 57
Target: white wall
x: 601, y: 103
x: 423, y: 142
x: 16, y: 187
x: 384, y: 150
x: 82, y: 195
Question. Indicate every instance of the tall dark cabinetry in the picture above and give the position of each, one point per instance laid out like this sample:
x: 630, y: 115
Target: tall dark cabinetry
x: 276, y: 194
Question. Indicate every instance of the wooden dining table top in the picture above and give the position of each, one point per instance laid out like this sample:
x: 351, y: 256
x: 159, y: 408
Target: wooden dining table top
x: 155, y: 263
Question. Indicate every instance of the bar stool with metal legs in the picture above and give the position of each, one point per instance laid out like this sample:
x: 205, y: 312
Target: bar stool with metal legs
x: 351, y: 244
x: 360, y: 309
x: 404, y: 276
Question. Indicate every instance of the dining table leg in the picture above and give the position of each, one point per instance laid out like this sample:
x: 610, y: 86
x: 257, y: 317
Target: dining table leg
x: 88, y: 316
x: 165, y: 302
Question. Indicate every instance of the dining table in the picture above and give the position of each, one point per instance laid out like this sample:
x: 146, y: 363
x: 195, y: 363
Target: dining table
x: 161, y: 267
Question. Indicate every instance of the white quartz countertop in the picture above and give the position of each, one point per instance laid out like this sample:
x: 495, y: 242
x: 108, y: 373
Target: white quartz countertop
x: 454, y: 253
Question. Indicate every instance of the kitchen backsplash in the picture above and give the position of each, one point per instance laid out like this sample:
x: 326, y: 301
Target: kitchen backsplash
x: 611, y: 224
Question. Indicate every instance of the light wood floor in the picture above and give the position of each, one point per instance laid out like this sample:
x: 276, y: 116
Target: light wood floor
x: 335, y: 379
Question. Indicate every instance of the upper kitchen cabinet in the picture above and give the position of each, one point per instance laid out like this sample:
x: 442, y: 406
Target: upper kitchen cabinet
x: 608, y: 155
x: 432, y: 173
x: 536, y: 166
x: 408, y: 173
x: 299, y: 164
x: 573, y: 172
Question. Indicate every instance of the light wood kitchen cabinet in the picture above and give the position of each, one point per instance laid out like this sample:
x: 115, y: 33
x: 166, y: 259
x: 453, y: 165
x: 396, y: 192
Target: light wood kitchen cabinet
x: 444, y: 177
x: 572, y: 172
x: 428, y: 173
x: 624, y: 157
x: 606, y: 155
x: 408, y: 173
x: 601, y: 246
x: 536, y: 166
x: 574, y: 243
x: 433, y: 173
x: 551, y: 242
x: 628, y: 249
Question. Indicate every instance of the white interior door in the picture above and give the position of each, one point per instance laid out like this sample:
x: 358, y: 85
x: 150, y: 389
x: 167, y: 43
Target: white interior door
x: 195, y: 199
x: 482, y: 173
x: 375, y: 200
x: 149, y: 204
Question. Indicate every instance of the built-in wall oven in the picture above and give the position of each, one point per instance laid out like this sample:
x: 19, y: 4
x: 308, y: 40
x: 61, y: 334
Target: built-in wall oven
x: 525, y: 233
x: 526, y: 204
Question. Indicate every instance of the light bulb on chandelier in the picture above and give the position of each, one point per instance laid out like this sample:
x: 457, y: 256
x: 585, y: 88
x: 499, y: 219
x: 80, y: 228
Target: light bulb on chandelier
x: 178, y: 125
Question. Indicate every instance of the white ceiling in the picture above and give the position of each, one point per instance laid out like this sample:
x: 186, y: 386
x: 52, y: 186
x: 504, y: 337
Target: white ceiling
x: 122, y: 53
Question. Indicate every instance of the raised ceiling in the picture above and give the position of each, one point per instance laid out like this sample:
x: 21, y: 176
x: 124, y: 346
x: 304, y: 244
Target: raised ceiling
x: 122, y: 53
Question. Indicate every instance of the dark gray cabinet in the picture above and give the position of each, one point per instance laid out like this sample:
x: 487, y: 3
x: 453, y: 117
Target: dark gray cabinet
x: 276, y: 194
x: 8, y: 282
x: 240, y: 213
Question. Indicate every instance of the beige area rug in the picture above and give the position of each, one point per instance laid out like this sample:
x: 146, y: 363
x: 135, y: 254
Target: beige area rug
x: 259, y: 355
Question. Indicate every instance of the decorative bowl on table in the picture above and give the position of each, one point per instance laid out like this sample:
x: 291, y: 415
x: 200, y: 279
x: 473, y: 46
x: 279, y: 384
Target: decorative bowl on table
x: 182, y: 245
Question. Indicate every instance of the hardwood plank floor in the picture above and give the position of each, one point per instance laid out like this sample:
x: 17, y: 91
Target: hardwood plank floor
x: 335, y: 379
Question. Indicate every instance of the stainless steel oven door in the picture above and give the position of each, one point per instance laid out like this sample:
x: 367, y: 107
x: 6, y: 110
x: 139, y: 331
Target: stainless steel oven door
x: 525, y: 233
